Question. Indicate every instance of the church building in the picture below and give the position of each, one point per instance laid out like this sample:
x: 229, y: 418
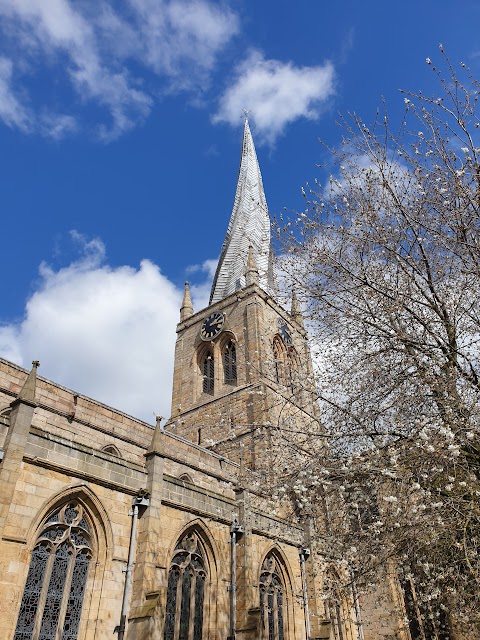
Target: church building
x: 110, y: 527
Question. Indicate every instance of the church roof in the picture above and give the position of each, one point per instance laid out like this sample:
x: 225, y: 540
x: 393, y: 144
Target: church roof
x: 249, y: 226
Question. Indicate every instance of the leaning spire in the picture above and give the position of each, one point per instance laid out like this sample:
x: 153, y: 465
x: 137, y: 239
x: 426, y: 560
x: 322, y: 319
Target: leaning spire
x: 249, y: 225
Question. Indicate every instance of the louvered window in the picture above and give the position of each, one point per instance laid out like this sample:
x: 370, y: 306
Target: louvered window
x: 280, y: 360
x: 230, y: 364
x: 186, y: 591
x: 271, y: 601
x: 208, y: 373
x: 53, y: 596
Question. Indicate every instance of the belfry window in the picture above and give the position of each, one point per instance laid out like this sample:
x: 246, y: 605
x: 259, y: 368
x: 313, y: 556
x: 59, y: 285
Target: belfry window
x: 53, y: 596
x: 280, y: 360
x: 230, y: 364
x: 208, y: 370
x: 286, y: 364
x: 186, y: 591
x: 271, y: 601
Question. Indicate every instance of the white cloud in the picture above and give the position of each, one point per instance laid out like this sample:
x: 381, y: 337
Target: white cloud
x: 105, y: 332
x: 57, y: 126
x: 201, y: 291
x: 11, y: 110
x: 277, y: 93
x: 107, y: 55
x: 182, y: 39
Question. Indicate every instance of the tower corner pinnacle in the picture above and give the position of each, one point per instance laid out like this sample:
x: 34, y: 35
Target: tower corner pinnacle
x: 296, y: 311
x: 28, y: 391
x: 186, y: 310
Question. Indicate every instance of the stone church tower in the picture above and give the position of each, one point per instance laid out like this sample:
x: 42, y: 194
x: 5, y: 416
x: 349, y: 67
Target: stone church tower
x: 242, y: 365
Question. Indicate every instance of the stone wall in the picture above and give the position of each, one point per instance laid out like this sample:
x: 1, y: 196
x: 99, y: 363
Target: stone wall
x: 53, y: 456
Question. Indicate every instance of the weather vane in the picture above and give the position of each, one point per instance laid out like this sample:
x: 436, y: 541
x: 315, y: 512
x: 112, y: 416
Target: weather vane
x: 245, y: 113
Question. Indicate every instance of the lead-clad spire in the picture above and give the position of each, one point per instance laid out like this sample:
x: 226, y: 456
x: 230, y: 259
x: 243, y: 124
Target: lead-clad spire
x: 249, y: 226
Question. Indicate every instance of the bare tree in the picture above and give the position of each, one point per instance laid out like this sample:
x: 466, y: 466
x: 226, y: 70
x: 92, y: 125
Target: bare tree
x: 386, y: 260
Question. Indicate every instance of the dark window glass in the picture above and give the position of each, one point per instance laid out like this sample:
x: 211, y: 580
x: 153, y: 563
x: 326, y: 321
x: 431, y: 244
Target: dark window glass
x: 271, y: 600
x: 31, y: 594
x: 185, y: 592
x: 199, y: 592
x: 171, y: 603
x: 53, y: 602
x: 75, y: 598
x: 208, y: 374
x: 230, y: 364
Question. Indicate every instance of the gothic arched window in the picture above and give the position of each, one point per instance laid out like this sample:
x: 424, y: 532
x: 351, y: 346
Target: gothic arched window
x: 336, y: 605
x: 230, y: 363
x: 53, y: 595
x: 271, y: 601
x: 208, y: 372
x: 186, y: 591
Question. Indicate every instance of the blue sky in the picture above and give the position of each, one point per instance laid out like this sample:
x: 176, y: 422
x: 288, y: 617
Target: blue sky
x: 120, y: 132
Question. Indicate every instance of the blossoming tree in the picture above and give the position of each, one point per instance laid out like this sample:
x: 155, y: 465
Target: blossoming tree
x: 385, y: 259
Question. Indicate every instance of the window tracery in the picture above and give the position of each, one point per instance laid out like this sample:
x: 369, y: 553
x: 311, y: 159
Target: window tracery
x: 186, y: 591
x: 230, y: 363
x: 55, y: 587
x: 208, y: 372
x: 271, y: 601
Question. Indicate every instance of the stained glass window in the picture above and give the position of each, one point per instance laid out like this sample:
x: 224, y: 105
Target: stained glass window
x: 186, y: 591
x: 53, y: 596
x: 230, y: 364
x: 271, y: 601
x: 208, y: 373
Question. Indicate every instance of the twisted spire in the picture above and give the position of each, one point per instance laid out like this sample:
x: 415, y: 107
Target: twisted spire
x: 249, y: 225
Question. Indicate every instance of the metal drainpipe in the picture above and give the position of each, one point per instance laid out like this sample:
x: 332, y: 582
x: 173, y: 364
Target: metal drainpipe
x: 358, y: 613
x: 235, y: 531
x: 305, y: 553
x: 140, y: 500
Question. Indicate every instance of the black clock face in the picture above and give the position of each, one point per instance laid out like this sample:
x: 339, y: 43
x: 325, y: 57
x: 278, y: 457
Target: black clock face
x: 212, y: 326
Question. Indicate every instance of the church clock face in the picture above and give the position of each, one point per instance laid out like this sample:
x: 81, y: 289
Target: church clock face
x: 212, y: 326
